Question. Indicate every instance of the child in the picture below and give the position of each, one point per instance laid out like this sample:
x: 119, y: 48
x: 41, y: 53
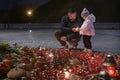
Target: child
x: 87, y: 29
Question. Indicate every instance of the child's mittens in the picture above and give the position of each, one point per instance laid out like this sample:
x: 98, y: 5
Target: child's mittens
x: 80, y: 32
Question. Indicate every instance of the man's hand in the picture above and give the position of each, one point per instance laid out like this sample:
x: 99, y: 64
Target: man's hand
x: 64, y: 38
x: 75, y: 29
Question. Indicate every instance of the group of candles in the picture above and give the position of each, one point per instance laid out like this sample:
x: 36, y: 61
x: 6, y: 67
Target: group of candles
x: 55, y: 64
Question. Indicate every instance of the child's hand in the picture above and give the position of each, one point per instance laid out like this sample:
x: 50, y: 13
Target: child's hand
x: 75, y: 29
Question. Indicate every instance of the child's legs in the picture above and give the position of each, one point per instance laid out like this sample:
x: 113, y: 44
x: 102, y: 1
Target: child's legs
x: 87, y: 41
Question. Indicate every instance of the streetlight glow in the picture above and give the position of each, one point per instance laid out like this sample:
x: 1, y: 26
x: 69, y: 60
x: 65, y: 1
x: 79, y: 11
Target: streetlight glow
x: 29, y: 12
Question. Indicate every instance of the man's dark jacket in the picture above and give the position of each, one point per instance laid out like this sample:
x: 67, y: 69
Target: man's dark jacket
x: 67, y: 25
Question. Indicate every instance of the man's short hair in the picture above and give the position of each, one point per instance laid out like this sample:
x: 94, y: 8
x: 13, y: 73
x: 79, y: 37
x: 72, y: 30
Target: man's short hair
x: 72, y: 10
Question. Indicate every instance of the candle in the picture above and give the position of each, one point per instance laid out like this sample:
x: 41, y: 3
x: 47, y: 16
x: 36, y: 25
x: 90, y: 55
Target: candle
x: 67, y: 75
x: 111, y: 71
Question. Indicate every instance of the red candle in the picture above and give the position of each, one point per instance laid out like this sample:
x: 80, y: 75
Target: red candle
x: 111, y: 71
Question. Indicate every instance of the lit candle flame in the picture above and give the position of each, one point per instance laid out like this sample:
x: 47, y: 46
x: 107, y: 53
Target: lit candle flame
x: 67, y: 74
x: 51, y: 55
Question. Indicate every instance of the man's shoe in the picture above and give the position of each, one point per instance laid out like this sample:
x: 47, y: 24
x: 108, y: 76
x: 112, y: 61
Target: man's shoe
x: 74, y: 43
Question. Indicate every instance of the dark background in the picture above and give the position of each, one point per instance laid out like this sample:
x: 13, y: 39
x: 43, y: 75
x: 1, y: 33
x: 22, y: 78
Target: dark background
x: 51, y: 11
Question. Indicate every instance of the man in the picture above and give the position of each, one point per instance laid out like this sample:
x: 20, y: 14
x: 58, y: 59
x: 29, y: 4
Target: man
x: 66, y: 33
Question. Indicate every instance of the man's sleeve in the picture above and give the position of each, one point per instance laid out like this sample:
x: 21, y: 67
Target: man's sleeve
x: 64, y: 25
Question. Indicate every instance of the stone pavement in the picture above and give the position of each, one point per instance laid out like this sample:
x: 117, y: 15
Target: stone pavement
x: 104, y: 40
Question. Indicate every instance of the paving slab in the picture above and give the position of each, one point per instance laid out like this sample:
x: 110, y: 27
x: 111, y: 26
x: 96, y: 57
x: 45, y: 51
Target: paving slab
x: 104, y: 40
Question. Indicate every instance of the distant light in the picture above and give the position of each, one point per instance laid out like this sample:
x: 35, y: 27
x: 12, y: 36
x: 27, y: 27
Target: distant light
x: 29, y: 12
x: 30, y: 30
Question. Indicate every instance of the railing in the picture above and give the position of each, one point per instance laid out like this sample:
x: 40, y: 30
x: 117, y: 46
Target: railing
x: 55, y: 26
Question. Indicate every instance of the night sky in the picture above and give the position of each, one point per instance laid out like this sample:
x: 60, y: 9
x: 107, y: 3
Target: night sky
x: 7, y: 4
x: 45, y: 11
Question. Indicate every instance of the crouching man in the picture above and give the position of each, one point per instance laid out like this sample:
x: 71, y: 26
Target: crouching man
x: 66, y: 34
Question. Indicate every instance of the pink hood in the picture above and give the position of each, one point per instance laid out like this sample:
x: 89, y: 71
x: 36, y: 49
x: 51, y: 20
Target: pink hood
x: 91, y: 17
